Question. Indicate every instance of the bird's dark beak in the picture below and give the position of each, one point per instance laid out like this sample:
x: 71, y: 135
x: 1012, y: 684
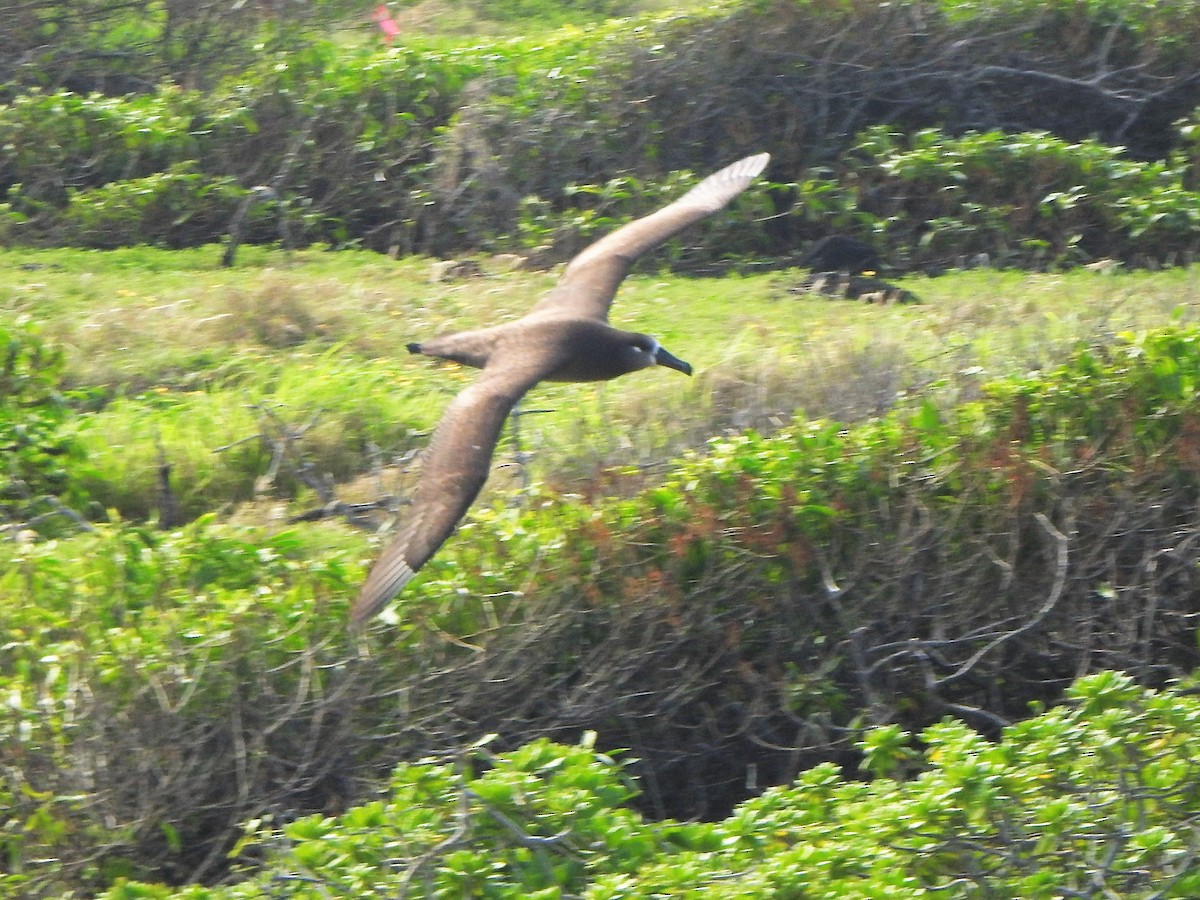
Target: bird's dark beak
x: 663, y: 358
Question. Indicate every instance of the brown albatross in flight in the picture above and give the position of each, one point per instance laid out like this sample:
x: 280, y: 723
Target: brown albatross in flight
x: 565, y: 337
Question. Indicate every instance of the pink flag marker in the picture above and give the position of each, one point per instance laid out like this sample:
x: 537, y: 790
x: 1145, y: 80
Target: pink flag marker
x: 386, y: 23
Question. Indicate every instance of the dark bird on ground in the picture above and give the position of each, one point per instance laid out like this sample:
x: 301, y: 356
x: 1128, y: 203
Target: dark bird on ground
x: 838, y: 253
x: 565, y: 337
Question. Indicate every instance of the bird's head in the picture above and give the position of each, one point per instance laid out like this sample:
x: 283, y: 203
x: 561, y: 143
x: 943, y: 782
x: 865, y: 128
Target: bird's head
x: 644, y: 351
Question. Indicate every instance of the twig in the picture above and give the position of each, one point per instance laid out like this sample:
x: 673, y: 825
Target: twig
x: 520, y: 457
x: 1056, y: 590
x: 57, y: 508
x: 524, y: 838
x: 456, y: 839
x: 168, y: 503
x: 272, y: 190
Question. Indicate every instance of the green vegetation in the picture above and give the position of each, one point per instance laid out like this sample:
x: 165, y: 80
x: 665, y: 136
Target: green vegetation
x: 1062, y: 203
x: 532, y: 142
x: 1096, y: 795
x: 178, y: 356
x: 38, y: 445
x: 885, y: 541
x: 1015, y: 480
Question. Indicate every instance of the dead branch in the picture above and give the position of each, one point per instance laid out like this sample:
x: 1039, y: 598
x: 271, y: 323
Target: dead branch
x: 1062, y: 544
x: 272, y: 190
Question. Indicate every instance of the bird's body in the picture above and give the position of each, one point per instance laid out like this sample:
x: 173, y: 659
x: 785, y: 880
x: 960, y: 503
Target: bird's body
x: 565, y: 337
x: 838, y: 253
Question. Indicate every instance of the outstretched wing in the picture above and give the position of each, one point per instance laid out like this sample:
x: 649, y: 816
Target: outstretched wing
x: 455, y: 467
x: 591, y: 279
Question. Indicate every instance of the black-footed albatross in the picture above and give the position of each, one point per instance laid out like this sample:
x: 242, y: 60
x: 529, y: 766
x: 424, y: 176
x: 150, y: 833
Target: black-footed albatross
x: 565, y: 337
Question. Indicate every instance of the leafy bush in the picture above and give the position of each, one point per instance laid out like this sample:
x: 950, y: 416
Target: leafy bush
x: 126, y: 48
x: 150, y: 680
x: 1026, y: 198
x: 220, y: 440
x: 743, y: 620
x: 36, y: 436
x: 352, y: 134
x: 59, y: 141
x: 177, y: 208
x: 1098, y: 794
x: 424, y: 149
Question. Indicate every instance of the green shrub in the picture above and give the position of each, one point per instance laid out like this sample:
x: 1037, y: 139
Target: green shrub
x: 1098, y: 794
x: 141, y: 672
x: 1025, y: 198
x: 57, y: 141
x: 176, y: 208
x: 319, y: 412
x: 419, y: 148
x: 746, y: 618
x: 36, y: 433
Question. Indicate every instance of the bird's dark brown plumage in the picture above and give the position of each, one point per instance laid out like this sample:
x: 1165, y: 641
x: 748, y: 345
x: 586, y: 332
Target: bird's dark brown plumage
x: 565, y: 337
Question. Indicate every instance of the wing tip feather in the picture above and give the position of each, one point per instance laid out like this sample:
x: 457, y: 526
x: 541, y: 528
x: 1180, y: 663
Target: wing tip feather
x: 386, y: 579
x: 744, y: 170
x: 752, y: 166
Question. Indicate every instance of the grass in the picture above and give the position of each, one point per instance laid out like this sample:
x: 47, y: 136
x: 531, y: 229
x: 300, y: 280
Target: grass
x: 197, y: 361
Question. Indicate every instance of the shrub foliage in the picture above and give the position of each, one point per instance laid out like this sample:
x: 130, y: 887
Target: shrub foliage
x: 1095, y: 796
x: 424, y: 149
x: 744, y: 620
x: 184, y: 706
x: 39, y: 448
